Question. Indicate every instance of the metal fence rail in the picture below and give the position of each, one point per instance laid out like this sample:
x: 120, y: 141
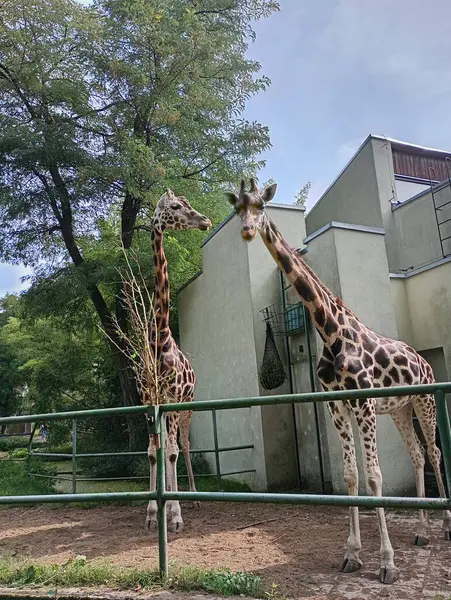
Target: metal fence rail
x: 74, y: 455
x: 156, y: 414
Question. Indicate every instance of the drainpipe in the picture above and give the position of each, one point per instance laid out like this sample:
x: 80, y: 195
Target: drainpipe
x: 315, y: 404
x: 290, y: 380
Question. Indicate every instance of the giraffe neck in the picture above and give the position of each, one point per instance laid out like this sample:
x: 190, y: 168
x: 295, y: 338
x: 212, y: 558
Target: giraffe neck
x: 322, y: 305
x: 161, y: 287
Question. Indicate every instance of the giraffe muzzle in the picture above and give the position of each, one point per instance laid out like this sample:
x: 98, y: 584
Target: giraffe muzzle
x: 248, y: 234
x: 205, y: 224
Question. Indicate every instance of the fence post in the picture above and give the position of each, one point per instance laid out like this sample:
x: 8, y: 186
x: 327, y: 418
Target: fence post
x: 74, y: 456
x: 445, y: 434
x: 217, y: 459
x: 157, y: 422
x: 30, y: 443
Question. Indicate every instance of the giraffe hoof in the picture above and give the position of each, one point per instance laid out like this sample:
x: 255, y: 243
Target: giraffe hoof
x: 176, y: 526
x: 447, y: 535
x: 388, y: 575
x: 150, y: 524
x: 421, y: 540
x: 196, y: 504
x: 350, y: 565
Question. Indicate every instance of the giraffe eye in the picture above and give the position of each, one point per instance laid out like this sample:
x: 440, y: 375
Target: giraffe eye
x: 176, y: 205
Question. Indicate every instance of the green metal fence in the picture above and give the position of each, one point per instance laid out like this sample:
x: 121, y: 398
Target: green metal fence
x: 74, y: 455
x: 156, y: 413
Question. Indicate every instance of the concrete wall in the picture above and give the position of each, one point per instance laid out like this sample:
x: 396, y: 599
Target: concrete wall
x: 223, y: 331
x: 423, y: 311
x: 352, y: 198
x: 277, y: 421
x: 417, y: 237
x: 216, y: 330
x: 353, y: 264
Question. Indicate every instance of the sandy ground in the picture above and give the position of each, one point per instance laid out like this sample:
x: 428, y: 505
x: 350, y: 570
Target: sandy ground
x: 300, y: 551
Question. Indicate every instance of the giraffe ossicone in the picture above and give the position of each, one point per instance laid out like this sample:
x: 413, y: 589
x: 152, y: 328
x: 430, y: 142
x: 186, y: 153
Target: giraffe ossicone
x: 355, y: 357
x: 176, y: 375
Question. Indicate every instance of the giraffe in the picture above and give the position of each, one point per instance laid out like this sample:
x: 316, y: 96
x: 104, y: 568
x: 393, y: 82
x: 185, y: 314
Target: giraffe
x: 177, y: 375
x: 355, y: 357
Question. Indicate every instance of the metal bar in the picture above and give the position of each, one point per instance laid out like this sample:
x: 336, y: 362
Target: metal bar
x: 315, y: 406
x: 30, y: 443
x: 74, y: 456
x: 215, y: 441
x: 446, y: 220
x: 102, y: 454
x: 445, y: 435
x: 310, y: 499
x: 230, y: 448
x: 161, y: 501
x: 203, y: 405
x: 55, y: 454
x: 431, y: 176
x: 290, y: 375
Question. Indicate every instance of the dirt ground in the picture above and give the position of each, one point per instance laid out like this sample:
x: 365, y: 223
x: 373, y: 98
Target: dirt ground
x: 300, y: 551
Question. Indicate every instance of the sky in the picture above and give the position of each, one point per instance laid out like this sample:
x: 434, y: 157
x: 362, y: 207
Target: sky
x: 340, y: 70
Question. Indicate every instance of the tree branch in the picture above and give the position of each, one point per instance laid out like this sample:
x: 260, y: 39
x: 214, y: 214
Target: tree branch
x: 202, y: 169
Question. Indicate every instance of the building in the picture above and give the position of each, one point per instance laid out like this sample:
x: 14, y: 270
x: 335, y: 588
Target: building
x: 379, y: 237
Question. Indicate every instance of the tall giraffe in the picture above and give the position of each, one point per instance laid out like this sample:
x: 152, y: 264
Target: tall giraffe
x: 355, y: 357
x: 177, y: 378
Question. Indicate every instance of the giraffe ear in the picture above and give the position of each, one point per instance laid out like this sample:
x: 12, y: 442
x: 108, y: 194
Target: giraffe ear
x: 232, y: 198
x: 269, y: 192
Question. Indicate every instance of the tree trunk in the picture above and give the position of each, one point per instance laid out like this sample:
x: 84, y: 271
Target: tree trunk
x: 136, y: 424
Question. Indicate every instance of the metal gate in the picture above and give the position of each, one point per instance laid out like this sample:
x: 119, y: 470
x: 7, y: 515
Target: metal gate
x: 155, y: 415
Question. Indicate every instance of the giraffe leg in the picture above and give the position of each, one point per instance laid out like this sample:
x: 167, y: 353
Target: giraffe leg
x: 404, y: 423
x: 366, y: 419
x: 152, y: 509
x: 341, y: 417
x: 185, y: 421
x: 172, y: 454
x: 425, y: 410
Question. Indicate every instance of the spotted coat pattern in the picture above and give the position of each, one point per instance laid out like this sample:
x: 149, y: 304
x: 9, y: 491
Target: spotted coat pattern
x: 175, y: 373
x: 355, y: 357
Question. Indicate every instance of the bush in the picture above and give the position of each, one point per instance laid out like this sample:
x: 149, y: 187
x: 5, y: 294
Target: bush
x: 109, y: 435
x: 10, y: 443
x: 14, y: 480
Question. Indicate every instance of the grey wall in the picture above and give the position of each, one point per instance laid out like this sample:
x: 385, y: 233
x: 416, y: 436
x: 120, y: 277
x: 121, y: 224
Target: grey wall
x: 216, y: 330
x: 222, y: 330
x: 277, y: 421
x: 353, y: 264
x: 352, y: 198
x: 417, y: 240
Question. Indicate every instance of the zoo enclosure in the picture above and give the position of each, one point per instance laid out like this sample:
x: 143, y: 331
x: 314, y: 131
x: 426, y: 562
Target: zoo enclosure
x: 155, y: 415
x: 74, y: 455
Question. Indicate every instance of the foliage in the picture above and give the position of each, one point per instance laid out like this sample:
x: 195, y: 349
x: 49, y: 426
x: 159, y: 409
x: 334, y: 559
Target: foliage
x: 10, y: 443
x: 14, y: 480
x: 301, y: 197
x: 101, y: 108
x: 11, y: 381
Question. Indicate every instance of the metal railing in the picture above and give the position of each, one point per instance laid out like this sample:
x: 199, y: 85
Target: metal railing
x: 161, y: 495
x: 74, y: 455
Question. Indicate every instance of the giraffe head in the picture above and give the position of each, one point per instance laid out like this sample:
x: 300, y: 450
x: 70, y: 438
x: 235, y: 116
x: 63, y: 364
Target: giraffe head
x: 175, y: 212
x: 250, y: 207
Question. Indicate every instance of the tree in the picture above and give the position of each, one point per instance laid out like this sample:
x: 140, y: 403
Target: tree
x: 301, y: 197
x: 101, y: 108
x: 10, y: 378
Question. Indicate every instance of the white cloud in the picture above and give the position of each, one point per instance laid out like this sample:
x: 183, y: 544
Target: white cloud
x: 405, y: 40
x: 10, y: 278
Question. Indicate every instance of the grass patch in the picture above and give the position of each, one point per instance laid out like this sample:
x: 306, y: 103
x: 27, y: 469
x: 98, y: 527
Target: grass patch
x: 14, y: 480
x: 81, y: 572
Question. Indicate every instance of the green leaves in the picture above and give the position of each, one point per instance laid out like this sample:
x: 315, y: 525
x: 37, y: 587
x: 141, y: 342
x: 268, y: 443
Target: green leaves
x: 101, y: 108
